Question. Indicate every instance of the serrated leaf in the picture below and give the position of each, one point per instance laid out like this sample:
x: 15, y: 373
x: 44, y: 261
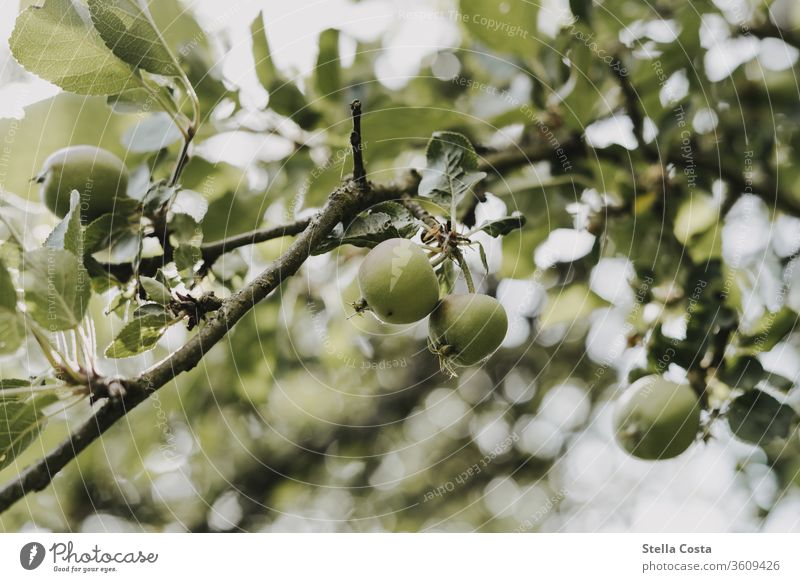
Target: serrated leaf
x: 58, y: 43
x: 102, y: 280
x: 503, y: 226
x: 451, y: 170
x: 190, y: 203
x: 21, y: 421
x: 758, y: 418
x: 99, y: 233
x: 183, y: 229
x: 371, y: 227
x: 125, y: 247
x: 57, y: 288
x: 284, y: 96
x: 132, y: 101
x: 328, y: 70
x: 155, y: 290
x: 128, y: 30
x: 153, y: 133
x: 139, y: 335
x: 186, y: 258
x: 150, y: 309
x: 68, y: 234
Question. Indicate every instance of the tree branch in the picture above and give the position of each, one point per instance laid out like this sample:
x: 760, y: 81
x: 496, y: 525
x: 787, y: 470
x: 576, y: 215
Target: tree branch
x: 213, y: 250
x: 343, y: 202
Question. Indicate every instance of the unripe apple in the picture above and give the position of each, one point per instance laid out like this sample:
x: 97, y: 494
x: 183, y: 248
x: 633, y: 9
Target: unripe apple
x: 98, y: 175
x: 397, y: 282
x: 656, y: 418
x: 465, y: 329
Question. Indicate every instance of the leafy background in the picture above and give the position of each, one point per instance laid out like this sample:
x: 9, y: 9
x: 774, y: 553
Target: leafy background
x: 305, y: 419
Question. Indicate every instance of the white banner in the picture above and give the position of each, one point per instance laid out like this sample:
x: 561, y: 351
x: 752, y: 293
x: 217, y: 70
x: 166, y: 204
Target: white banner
x: 400, y: 557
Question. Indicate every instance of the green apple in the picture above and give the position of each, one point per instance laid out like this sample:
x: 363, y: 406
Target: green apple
x: 465, y: 329
x: 397, y: 282
x: 98, y: 175
x: 656, y: 418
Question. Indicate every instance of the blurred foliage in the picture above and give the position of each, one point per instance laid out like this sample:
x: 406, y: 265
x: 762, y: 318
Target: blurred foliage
x: 652, y: 155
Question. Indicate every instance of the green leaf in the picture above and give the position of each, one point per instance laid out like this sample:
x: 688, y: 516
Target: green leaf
x: 57, y: 288
x: 155, y: 132
x: 184, y: 229
x: 743, y: 372
x: 503, y: 226
x: 190, y: 203
x: 284, y: 96
x: 68, y: 234
x: 8, y: 293
x: 265, y: 68
x: 770, y: 331
x: 328, y: 70
x: 508, y: 27
x: 186, y: 257
x: 140, y: 335
x: 102, y: 280
x: 12, y: 331
x: 381, y: 222
x: 450, y: 173
x: 133, y: 101
x: 230, y: 267
x: 57, y: 43
x: 447, y: 277
x: 21, y: 421
x: 582, y: 9
x: 569, y: 305
x: 155, y: 290
x: 124, y: 246
x: 157, y: 195
x: 6, y: 383
x: 758, y: 418
x: 484, y: 261
x: 150, y: 309
x: 696, y: 214
x: 128, y: 30
x: 99, y: 233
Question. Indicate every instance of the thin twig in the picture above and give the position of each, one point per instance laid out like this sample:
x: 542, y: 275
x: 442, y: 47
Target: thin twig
x: 359, y: 173
x: 213, y: 250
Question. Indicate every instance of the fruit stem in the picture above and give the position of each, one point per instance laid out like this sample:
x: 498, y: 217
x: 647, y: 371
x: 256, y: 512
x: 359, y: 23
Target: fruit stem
x: 462, y: 263
x: 439, y: 260
x: 182, y: 159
